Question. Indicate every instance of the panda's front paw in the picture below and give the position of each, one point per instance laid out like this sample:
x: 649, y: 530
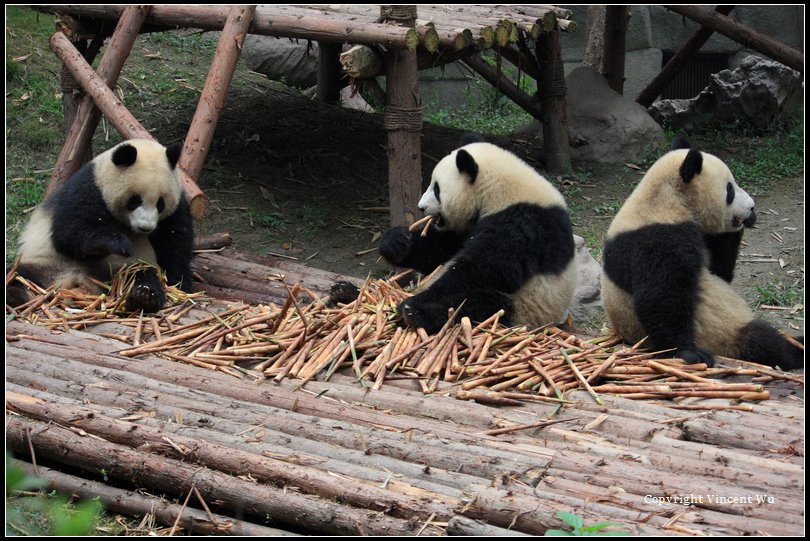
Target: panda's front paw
x: 145, y: 297
x: 695, y: 355
x: 342, y: 292
x: 115, y: 244
x: 395, y: 244
x: 416, y: 314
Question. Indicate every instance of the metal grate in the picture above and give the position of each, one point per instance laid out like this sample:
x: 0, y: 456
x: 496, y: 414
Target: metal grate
x: 694, y: 75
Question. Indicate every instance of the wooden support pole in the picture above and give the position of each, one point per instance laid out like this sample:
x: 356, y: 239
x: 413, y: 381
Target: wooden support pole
x: 403, y: 120
x: 123, y: 121
x: 676, y: 63
x: 742, y: 34
x: 77, y: 149
x: 524, y: 63
x: 215, y: 91
x: 551, y: 90
x: 329, y: 72
x: 615, y: 39
x: 509, y: 89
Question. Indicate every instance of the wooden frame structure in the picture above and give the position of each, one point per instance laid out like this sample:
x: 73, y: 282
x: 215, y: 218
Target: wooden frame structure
x: 405, y: 41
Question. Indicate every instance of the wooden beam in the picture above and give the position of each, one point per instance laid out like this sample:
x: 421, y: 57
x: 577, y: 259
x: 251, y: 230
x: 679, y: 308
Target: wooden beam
x: 77, y: 147
x: 329, y: 72
x: 215, y: 91
x: 744, y: 35
x: 676, y: 63
x: 403, y: 120
x: 551, y: 89
x: 123, y: 121
x: 615, y: 39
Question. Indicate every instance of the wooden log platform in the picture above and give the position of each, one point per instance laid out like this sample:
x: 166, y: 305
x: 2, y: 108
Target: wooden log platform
x: 339, y: 458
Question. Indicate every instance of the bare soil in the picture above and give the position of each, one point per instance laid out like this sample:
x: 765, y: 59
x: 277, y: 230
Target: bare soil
x: 300, y: 179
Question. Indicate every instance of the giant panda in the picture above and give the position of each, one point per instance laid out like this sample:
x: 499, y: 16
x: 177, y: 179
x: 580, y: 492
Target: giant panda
x: 503, y: 236
x: 669, y: 259
x: 124, y: 206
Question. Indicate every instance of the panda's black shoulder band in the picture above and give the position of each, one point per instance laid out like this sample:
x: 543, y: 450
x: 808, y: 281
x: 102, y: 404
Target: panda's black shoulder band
x: 692, y: 165
x: 124, y: 155
x: 466, y: 164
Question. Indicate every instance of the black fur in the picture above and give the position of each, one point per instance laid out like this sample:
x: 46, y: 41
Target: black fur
x: 692, y: 165
x: 503, y: 251
x: 723, y: 250
x: 147, y: 293
x: 173, y: 154
x: 659, y: 266
x: 342, y: 292
x: 173, y: 242
x: 466, y: 164
x: 470, y: 137
x: 763, y: 344
x: 125, y: 155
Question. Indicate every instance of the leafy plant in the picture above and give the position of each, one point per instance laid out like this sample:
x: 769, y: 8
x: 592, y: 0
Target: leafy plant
x: 578, y: 524
x: 779, y: 294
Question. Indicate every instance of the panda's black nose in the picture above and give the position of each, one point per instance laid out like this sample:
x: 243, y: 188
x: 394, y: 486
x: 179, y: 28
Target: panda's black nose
x: 422, y: 207
x: 751, y: 220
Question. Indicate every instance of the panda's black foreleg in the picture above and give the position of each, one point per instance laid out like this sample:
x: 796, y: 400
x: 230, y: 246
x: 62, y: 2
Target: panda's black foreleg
x: 409, y: 249
x: 173, y: 242
x: 147, y: 294
x: 431, y: 311
x: 723, y: 250
x: 762, y: 343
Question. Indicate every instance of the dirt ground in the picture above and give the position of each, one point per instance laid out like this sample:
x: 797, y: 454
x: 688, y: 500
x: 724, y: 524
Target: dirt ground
x: 292, y: 177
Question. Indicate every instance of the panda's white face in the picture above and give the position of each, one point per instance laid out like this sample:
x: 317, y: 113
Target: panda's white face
x: 450, y: 196
x: 717, y: 189
x: 143, y: 214
x: 740, y: 206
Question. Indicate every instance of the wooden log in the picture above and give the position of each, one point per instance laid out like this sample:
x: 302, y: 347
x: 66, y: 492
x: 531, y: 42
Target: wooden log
x: 77, y: 148
x: 266, y: 22
x: 403, y: 122
x: 116, y: 112
x: 362, y: 62
x: 526, y: 64
x: 213, y: 242
x: 133, y: 504
x: 177, y: 477
x: 551, y: 89
x: 595, y: 43
x: 459, y: 525
x: 72, y: 93
x: 742, y: 34
x: 615, y: 37
x: 494, y: 77
x: 676, y: 63
x: 228, y: 460
x: 212, y: 99
x: 329, y: 72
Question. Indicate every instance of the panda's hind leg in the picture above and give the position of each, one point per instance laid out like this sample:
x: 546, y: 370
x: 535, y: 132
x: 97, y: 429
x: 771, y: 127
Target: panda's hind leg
x: 147, y: 294
x: 42, y: 275
x: 762, y: 343
x: 431, y: 311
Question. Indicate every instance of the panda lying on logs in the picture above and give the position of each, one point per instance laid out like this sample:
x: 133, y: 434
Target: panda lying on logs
x: 503, y: 235
x: 125, y: 206
x: 669, y: 259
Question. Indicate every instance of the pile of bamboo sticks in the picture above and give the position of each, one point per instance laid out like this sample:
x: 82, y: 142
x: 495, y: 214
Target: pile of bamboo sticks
x: 487, y: 362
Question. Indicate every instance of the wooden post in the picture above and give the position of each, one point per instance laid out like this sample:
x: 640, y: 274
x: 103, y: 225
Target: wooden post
x: 123, y: 121
x: 77, y: 149
x: 504, y: 85
x: 403, y: 120
x: 744, y: 35
x: 329, y: 72
x: 212, y: 98
x: 551, y: 90
x: 676, y: 63
x: 615, y: 38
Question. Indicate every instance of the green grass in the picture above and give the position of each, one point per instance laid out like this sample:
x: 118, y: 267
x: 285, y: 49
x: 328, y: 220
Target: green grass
x: 779, y: 294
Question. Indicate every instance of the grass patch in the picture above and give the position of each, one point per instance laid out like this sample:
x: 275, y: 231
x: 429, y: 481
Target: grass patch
x: 779, y: 294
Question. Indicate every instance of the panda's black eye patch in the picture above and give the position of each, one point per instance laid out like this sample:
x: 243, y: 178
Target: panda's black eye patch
x: 437, y: 192
x: 161, y: 204
x: 134, y: 202
x: 729, y: 193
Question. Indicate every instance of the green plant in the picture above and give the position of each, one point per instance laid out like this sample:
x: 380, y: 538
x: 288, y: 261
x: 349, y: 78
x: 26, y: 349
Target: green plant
x: 779, y: 294
x: 578, y: 524
x: 272, y: 220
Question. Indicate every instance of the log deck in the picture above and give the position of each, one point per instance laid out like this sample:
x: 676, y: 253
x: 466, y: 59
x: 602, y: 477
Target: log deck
x: 336, y: 458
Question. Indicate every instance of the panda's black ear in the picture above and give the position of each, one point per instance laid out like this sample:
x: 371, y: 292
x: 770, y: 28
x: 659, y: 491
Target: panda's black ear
x: 124, y: 155
x: 466, y: 164
x: 679, y: 142
x: 692, y: 165
x: 173, y: 153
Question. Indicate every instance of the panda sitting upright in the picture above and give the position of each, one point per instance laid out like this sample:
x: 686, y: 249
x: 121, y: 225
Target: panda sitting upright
x: 669, y: 257
x: 504, y: 237
x: 125, y: 206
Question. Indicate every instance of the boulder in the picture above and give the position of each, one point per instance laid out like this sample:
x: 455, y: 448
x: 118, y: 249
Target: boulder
x: 758, y: 92
x: 587, y: 299
x: 295, y: 63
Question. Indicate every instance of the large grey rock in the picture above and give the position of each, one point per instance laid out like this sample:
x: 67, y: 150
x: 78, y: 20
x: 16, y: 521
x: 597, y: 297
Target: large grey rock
x: 757, y: 92
x: 603, y: 125
x: 587, y: 297
x: 293, y: 62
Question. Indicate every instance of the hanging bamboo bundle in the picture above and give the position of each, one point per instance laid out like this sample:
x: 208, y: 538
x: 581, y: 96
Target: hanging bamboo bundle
x: 487, y: 362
